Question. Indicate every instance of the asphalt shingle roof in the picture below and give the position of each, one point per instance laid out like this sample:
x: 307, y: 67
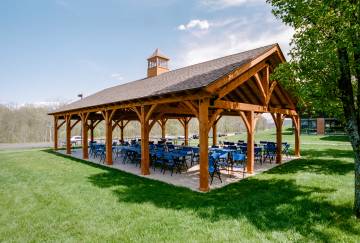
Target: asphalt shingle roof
x: 187, y: 78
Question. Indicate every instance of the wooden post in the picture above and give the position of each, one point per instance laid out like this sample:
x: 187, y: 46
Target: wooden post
x: 84, y: 129
x: 56, y: 132
x: 91, y: 127
x: 186, y: 132
x: 278, y: 119
x: 163, y: 127
x: 214, y: 133
x: 68, y: 134
x: 250, y: 142
x: 108, y: 134
x: 297, y: 124
x: 204, y: 136
x: 145, y: 160
x: 122, y: 131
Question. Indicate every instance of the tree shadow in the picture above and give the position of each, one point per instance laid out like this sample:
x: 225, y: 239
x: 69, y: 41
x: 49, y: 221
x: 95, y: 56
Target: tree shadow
x: 270, y: 205
x: 318, y: 166
x: 336, y: 138
x: 327, y: 161
x: 326, y: 153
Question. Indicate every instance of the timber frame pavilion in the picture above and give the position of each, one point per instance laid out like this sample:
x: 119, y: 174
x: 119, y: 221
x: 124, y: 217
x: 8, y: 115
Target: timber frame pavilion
x: 235, y: 85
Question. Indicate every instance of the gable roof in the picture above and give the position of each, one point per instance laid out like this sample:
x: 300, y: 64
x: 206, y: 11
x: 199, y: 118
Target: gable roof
x: 187, y: 78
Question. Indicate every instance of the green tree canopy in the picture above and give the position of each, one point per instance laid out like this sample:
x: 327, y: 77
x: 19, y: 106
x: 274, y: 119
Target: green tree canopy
x: 324, y: 71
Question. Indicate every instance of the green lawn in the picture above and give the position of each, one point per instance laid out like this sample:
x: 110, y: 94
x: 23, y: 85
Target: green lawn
x: 47, y: 197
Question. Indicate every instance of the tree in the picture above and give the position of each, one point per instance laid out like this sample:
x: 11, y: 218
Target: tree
x: 324, y: 70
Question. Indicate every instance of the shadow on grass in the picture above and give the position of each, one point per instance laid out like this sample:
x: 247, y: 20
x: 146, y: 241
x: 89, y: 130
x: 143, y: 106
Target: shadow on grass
x: 328, y: 161
x: 336, y: 138
x: 326, y: 153
x: 270, y: 204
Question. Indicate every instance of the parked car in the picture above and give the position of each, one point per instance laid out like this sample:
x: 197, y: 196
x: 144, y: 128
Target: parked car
x: 75, y: 139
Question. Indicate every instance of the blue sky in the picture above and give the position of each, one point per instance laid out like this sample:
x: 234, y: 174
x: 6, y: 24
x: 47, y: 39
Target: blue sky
x: 51, y: 50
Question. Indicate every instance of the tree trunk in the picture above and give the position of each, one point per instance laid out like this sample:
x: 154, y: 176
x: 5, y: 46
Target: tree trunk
x: 351, y: 115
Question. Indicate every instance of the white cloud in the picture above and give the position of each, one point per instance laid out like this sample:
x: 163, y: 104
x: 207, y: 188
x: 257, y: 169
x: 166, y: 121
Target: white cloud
x: 117, y: 76
x: 233, y: 36
x: 195, y: 24
x: 220, y: 4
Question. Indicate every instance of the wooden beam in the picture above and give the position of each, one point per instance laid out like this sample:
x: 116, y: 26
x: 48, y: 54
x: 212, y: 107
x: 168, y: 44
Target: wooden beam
x: 236, y: 73
x: 192, y: 108
x: 181, y: 122
x: 213, y: 118
x: 61, y: 124
x: 261, y: 88
x: 151, y: 110
x: 271, y: 89
x: 233, y: 84
x: 135, y: 109
x: 246, y: 122
x: 283, y: 111
x: 96, y: 123
x: 204, y: 140
x: 137, y: 103
x: 75, y: 123
x: 228, y: 105
x: 152, y: 123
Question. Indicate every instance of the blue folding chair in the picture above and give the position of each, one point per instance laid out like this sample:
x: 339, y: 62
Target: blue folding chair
x: 213, y: 168
x: 286, y: 149
x: 239, y: 162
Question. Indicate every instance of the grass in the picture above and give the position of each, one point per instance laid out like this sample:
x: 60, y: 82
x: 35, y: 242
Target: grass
x: 48, y: 197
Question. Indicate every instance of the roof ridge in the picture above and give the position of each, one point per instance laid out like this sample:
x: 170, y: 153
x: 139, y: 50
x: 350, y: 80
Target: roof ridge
x: 218, y: 58
x: 171, y: 71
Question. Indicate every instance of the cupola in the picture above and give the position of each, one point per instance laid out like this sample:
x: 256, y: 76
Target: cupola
x: 157, y: 64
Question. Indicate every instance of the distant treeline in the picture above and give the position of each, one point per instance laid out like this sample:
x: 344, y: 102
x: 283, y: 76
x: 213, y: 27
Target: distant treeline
x: 29, y: 123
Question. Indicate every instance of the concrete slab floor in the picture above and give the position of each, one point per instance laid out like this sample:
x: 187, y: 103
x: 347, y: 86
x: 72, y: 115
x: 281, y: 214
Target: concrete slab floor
x: 189, y: 178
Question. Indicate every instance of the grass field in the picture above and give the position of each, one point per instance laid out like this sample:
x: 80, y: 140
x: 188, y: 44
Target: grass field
x: 47, y: 197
